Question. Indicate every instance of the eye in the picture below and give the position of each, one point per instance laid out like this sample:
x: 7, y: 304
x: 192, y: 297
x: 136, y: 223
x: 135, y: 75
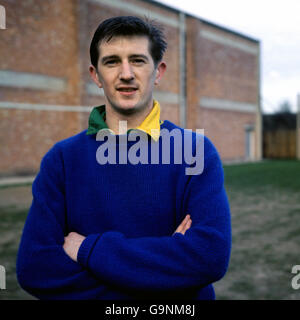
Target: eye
x: 111, y: 63
x: 138, y: 61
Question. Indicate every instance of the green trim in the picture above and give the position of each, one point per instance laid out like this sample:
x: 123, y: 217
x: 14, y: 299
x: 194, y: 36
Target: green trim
x: 97, y: 120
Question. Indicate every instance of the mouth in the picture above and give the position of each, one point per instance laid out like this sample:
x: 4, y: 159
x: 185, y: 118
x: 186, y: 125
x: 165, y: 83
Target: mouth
x: 127, y: 91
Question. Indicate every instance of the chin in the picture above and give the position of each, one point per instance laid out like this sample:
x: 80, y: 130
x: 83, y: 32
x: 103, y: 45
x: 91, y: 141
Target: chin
x: 128, y: 108
x: 125, y: 109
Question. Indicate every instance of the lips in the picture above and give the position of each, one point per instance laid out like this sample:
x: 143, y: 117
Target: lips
x: 127, y: 91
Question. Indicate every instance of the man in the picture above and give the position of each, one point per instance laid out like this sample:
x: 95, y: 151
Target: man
x: 102, y: 229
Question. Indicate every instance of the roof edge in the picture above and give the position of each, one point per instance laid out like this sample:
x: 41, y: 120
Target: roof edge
x: 212, y: 24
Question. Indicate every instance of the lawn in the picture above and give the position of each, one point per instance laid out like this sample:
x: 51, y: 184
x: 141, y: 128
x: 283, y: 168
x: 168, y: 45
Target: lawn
x: 265, y: 207
x: 11, y: 225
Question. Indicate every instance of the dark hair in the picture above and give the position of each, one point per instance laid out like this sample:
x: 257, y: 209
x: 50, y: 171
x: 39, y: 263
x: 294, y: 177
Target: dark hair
x: 129, y: 26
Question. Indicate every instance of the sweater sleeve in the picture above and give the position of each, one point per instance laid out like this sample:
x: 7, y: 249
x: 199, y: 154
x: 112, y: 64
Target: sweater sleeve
x: 43, y: 268
x: 196, y: 259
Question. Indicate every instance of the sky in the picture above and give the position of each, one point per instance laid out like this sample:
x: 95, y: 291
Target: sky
x: 276, y: 24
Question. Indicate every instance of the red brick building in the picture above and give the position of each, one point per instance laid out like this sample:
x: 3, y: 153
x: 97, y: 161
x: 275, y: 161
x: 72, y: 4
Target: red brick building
x: 46, y: 94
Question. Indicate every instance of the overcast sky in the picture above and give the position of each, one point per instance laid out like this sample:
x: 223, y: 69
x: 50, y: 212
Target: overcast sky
x: 276, y: 24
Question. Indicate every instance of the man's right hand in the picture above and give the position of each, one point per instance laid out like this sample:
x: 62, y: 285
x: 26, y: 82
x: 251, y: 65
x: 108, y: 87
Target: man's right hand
x: 185, y: 225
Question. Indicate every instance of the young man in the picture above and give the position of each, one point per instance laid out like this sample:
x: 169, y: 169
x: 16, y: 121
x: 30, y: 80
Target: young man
x: 121, y: 229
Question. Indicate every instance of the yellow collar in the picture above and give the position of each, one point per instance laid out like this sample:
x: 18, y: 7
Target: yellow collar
x: 151, y: 124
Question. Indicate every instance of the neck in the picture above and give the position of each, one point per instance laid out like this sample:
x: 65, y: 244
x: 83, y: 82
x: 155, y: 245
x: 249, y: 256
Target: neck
x: 133, y: 120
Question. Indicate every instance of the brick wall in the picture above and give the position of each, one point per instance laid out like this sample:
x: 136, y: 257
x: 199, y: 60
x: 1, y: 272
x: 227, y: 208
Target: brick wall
x: 40, y: 39
x: 222, y: 86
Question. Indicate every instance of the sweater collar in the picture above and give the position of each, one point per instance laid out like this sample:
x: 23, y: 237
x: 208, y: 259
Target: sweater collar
x: 150, y: 125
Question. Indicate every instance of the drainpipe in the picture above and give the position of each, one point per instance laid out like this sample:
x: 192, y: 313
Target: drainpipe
x: 298, y: 127
x: 182, y: 72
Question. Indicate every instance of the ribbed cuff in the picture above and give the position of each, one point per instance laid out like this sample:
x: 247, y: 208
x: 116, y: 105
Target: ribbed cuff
x: 86, y: 248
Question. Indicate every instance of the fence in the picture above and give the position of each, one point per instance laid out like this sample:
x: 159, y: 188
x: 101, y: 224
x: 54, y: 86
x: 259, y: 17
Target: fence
x: 279, y: 144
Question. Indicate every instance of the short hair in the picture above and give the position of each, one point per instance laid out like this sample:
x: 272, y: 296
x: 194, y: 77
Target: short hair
x: 129, y: 26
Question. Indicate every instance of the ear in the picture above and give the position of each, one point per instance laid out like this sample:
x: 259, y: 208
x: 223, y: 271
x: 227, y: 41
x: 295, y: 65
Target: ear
x: 94, y: 75
x: 160, y: 70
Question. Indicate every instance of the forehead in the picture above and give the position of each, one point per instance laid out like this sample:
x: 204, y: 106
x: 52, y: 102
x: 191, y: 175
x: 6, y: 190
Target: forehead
x: 124, y: 45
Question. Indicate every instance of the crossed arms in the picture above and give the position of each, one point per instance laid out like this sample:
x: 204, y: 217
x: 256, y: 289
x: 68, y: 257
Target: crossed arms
x: 74, y: 240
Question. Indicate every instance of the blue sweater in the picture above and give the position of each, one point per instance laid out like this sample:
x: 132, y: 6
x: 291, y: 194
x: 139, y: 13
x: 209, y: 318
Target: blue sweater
x: 128, y: 214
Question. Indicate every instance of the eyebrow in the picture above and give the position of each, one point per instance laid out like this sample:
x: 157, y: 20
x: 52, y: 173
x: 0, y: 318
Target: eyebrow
x: 105, y: 58
x: 139, y: 56
x: 133, y: 56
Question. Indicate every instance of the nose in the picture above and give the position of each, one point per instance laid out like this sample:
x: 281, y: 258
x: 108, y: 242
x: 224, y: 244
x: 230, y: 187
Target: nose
x: 126, y: 72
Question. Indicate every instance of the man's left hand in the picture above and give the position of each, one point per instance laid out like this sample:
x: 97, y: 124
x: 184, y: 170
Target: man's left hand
x: 72, y: 244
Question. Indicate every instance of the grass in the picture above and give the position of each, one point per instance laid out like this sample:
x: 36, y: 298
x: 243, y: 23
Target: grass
x: 12, y: 222
x: 279, y: 174
x: 265, y: 208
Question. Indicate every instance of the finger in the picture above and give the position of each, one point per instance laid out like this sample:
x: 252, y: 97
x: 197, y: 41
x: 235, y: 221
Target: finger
x: 179, y: 229
x: 183, y: 223
x: 187, y: 217
x: 185, y: 220
x: 182, y: 227
x: 187, y: 226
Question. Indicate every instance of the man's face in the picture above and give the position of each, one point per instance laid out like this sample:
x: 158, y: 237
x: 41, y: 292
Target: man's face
x: 127, y: 73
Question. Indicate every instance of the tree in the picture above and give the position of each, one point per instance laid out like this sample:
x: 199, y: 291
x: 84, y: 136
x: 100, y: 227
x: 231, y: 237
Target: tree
x: 285, y: 107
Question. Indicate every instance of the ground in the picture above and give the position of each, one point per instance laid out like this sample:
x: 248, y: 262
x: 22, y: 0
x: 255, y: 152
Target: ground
x: 265, y: 207
x: 14, y: 204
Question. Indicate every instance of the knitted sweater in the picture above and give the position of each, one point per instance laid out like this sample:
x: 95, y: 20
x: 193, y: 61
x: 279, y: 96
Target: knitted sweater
x: 128, y: 214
